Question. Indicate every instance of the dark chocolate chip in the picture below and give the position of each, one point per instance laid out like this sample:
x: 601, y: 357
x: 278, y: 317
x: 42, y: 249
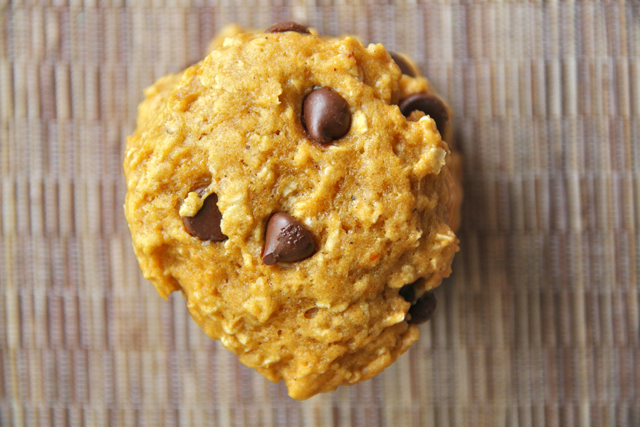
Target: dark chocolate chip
x: 408, y: 293
x: 402, y: 63
x: 282, y: 27
x: 424, y: 308
x: 205, y: 225
x: 326, y: 115
x: 286, y: 240
x: 428, y: 104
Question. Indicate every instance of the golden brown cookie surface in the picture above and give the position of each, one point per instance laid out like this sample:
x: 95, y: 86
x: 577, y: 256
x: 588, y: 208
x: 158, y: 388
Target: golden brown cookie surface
x: 313, y: 299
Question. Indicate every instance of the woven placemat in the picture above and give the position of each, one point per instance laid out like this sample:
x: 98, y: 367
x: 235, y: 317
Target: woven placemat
x: 539, y: 324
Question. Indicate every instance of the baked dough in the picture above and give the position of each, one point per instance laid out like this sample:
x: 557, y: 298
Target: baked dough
x: 226, y: 143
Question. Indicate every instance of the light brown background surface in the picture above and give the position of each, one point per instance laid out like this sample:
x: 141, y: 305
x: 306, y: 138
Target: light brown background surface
x: 539, y: 324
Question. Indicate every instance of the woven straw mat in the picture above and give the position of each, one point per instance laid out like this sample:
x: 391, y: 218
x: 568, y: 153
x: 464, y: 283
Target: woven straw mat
x: 539, y: 323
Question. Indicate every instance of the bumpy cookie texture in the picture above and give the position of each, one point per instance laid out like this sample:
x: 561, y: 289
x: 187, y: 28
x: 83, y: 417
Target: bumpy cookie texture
x: 314, y: 298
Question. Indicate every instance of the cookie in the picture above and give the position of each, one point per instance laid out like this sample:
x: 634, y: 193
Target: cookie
x: 300, y: 200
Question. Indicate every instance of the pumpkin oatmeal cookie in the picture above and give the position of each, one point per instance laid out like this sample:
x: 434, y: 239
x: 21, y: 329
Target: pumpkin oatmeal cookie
x: 298, y: 191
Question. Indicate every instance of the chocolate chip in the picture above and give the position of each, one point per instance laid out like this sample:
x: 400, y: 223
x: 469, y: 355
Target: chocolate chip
x: 424, y: 308
x: 282, y: 27
x: 428, y: 104
x: 286, y: 240
x: 402, y: 63
x: 205, y: 225
x: 326, y: 115
x: 408, y: 293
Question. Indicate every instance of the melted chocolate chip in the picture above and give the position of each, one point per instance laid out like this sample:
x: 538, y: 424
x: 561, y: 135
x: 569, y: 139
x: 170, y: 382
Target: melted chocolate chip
x: 286, y: 240
x: 282, y: 27
x: 402, y: 63
x: 424, y: 308
x: 205, y: 225
x: 428, y: 104
x: 326, y: 115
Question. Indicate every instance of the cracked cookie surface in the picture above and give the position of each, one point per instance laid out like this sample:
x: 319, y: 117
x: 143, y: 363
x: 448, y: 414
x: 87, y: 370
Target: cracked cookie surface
x: 226, y: 142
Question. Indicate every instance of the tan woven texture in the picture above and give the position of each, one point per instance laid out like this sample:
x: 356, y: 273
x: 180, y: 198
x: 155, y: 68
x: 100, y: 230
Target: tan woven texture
x: 539, y: 324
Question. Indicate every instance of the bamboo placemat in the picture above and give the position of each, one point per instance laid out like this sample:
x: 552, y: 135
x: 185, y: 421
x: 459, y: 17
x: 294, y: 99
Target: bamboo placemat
x: 539, y: 324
